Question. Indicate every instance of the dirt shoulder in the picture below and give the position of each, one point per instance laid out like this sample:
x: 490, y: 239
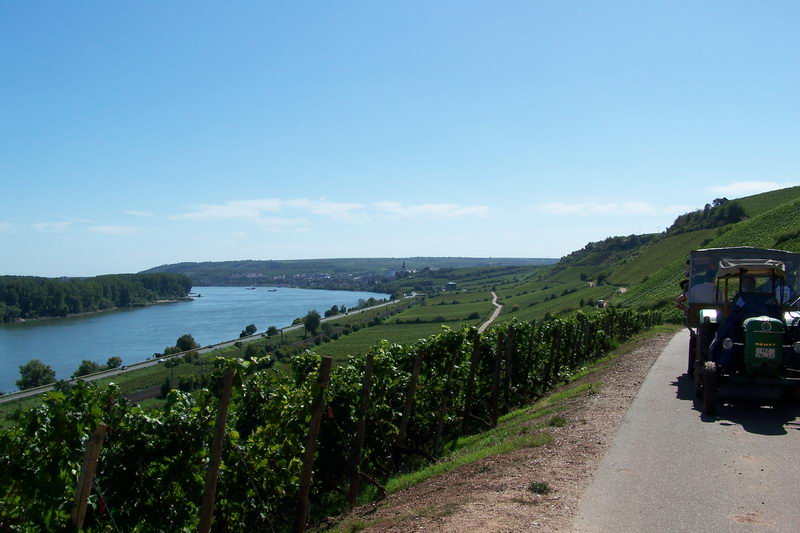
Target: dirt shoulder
x: 496, y: 494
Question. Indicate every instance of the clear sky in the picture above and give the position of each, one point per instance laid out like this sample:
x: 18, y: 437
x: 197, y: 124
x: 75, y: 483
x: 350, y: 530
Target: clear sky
x: 134, y: 134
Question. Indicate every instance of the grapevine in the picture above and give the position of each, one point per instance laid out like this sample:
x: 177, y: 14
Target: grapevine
x: 153, y: 463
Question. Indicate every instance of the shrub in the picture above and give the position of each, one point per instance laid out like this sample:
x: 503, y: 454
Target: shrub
x: 539, y: 487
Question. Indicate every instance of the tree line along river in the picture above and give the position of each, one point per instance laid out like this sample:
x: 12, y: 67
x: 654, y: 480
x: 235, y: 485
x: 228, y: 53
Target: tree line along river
x: 134, y: 334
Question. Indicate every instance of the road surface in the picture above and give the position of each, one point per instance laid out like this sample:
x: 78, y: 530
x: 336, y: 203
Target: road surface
x: 671, y: 469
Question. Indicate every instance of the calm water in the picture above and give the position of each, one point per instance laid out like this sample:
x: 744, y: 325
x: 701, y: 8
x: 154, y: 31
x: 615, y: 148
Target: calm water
x: 134, y: 334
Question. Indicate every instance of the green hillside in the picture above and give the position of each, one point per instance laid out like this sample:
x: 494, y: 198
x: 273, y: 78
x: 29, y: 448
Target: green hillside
x: 761, y: 203
x: 649, y: 259
x: 342, y: 273
x: 778, y: 227
x: 640, y: 271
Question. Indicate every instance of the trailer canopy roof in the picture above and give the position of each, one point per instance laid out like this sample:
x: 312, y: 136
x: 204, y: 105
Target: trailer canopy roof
x: 755, y: 267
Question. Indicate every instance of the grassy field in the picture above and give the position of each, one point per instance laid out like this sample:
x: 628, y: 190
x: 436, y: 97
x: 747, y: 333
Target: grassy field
x: 447, y: 311
x: 568, y: 302
x: 360, y: 341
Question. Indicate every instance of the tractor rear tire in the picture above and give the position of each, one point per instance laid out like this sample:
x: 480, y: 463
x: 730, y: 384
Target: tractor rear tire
x: 790, y: 395
x: 698, y: 379
x: 692, y: 350
x: 710, y: 386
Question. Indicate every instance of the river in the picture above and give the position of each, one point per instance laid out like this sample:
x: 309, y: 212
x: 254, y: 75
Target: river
x: 221, y: 313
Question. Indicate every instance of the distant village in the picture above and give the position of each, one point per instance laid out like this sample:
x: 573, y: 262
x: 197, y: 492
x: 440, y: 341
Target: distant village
x: 335, y: 281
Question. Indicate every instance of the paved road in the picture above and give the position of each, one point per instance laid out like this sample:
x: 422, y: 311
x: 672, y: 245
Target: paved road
x: 671, y: 469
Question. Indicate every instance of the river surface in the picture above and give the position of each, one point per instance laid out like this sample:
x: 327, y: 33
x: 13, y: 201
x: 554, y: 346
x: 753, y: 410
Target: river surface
x: 220, y: 314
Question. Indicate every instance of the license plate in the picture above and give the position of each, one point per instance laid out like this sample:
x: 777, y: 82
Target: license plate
x: 765, y: 353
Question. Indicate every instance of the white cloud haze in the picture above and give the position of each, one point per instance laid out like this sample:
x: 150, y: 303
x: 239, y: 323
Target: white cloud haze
x: 256, y: 211
x: 746, y: 188
x: 135, y: 213
x: 397, y: 209
x: 631, y: 208
x: 115, y: 230
x: 52, y: 227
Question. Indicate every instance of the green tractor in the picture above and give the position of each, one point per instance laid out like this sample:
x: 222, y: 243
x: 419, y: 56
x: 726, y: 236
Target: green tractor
x: 743, y: 313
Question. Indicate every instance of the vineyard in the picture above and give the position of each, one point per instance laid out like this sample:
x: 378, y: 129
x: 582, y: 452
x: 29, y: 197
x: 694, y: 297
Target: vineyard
x: 353, y: 427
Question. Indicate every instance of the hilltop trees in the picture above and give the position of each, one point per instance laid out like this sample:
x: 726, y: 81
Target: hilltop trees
x: 718, y: 213
x: 35, y: 373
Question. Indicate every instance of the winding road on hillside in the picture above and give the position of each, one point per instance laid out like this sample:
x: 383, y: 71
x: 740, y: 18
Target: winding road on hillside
x: 497, y: 308
x: 671, y: 469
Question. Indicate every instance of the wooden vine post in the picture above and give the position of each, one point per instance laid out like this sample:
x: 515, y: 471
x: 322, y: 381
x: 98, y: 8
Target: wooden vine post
x: 207, y: 509
x: 355, y: 479
x: 569, y: 343
x: 533, y: 344
x: 498, y: 369
x: 473, y: 365
x: 584, y: 346
x: 548, y: 369
x: 84, y: 486
x: 317, y: 402
x: 557, y: 354
x: 443, y: 404
x: 409, y: 403
x: 507, y: 377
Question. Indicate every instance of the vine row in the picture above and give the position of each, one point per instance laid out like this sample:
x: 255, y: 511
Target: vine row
x: 390, y: 411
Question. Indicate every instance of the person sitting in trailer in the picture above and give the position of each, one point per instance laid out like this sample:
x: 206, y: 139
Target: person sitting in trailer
x: 705, y: 292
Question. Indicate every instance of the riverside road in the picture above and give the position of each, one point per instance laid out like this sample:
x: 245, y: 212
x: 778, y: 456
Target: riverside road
x: 150, y: 362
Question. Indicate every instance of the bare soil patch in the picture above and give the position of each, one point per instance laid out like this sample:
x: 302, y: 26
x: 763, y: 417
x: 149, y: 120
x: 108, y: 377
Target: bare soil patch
x: 502, y: 493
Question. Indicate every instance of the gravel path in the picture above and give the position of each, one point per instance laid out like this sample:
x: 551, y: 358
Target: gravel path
x: 495, y: 314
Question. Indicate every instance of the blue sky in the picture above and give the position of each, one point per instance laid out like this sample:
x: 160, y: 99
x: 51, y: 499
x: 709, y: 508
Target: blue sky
x: 137, y: 134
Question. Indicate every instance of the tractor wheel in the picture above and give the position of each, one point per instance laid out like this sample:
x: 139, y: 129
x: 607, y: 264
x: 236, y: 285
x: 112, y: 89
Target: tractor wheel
x: 698, y: 379
x: 692, y: 350
x: 705, y: 336
x: 710, y: 385
x: 790, y: 395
